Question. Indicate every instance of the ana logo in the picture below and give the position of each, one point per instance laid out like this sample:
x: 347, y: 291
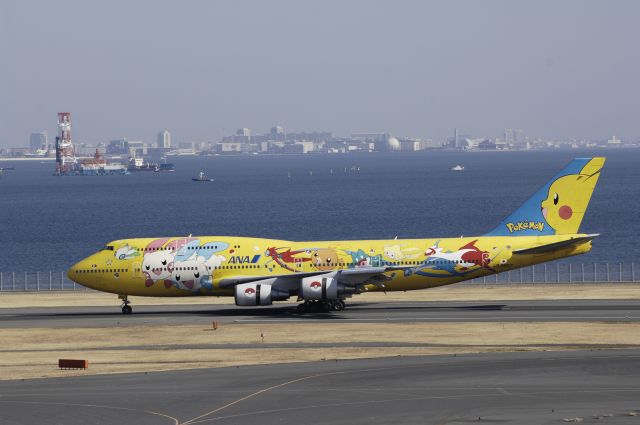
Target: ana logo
x: 239, y: 259
x: 249, y: 292
x: 525, y: 225
x: 315, y: 285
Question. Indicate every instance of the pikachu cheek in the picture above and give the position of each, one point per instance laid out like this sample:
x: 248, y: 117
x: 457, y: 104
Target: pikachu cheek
x: 565, y: 212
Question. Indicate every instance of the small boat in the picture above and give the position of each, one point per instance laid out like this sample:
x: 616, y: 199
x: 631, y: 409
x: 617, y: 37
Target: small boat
x: 202, y: 178
x: 457, y: 168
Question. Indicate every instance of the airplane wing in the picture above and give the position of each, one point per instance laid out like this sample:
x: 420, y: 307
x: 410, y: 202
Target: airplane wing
x: 351, y: 277
x: 233, y: 281
x: 541, y: 249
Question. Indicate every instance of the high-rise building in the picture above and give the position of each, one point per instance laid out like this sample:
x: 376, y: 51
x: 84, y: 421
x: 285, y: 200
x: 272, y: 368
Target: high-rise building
x: 513, y: 136
x: 164, y: 139
x: 277, y: 133
x: 243, y: 135
x: 38, y: 141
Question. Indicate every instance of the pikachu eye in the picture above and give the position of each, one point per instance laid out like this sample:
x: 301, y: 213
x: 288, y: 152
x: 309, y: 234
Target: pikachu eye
x: 556, y: 198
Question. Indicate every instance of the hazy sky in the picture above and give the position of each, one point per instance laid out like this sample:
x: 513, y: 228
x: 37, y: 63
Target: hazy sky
x: 555, y: 69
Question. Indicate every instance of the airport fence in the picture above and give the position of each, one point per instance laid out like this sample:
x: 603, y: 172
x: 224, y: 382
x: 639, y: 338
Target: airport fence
x: 566, y: 273
x: 560, y: 273
x: 37, y: 281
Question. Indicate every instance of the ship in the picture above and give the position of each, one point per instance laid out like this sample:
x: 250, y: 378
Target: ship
x: 139, y: 164
x: 67, y: 164
x: 458, y: 168
x: 202, y: 178
x: 98, y: 166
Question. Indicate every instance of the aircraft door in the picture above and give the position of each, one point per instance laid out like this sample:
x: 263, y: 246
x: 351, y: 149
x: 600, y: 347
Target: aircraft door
x: 136, y: 270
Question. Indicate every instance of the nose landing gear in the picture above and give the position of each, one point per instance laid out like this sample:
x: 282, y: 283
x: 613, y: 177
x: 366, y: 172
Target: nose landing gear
x: 310, y: 306
x: 126, y: 308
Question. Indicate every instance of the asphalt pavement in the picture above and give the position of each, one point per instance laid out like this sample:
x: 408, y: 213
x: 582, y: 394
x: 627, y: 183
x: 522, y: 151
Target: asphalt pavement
x: 507, y: 388
x: 501, y: 311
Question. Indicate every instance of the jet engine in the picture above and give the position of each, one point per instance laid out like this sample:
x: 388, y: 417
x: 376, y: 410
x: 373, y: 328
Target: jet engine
x: 324, y: 287
x: 256, y: 293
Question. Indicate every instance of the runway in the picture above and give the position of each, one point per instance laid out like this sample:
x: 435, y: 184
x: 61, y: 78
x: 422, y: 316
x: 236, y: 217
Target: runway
x: 514, y: 388
x: 503, y: 311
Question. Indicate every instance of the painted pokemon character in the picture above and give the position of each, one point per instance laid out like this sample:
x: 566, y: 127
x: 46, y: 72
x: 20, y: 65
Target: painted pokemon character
x: 182, y: 263
x: 559, y: 206
x: 361, y: 259
x: 157, y: 263
x: 466, y: 259
x: 324, y: 258
x: 284, y: 256
x: 126, y: 253
x: 565, y: 205
x: 326, y: 273
x: 194, y: 264
x: 400, y: 253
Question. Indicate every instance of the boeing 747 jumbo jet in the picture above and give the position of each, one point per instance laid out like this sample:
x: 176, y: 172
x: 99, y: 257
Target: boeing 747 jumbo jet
x: 323, y: 274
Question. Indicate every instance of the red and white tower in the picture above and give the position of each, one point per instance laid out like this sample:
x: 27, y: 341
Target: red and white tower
x: 65, y: 153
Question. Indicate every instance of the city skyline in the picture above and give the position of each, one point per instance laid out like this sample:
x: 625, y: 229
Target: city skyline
x: 555, y: 70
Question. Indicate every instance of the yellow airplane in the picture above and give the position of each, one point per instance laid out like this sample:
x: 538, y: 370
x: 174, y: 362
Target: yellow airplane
x: 323, y: 274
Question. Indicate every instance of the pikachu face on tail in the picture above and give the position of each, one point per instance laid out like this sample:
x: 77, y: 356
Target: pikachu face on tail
x: 568, y: 197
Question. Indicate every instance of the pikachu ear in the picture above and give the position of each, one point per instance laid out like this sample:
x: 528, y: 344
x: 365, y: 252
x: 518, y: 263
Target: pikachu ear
x: 593, y: 167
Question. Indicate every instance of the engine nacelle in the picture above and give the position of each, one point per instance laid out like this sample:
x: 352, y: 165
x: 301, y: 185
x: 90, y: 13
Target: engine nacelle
x: 322, y: 287
x: 256, y: 293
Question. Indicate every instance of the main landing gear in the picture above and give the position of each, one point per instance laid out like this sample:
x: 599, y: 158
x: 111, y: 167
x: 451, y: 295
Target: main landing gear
x: 321, y: 306
x: 126, y: 308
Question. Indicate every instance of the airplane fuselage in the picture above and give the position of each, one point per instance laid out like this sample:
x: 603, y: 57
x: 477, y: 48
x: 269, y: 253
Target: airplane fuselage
x: 209, y: 265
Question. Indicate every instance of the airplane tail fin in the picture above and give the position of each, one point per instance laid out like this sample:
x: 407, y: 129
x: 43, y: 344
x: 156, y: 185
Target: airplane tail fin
x: 559, y: 206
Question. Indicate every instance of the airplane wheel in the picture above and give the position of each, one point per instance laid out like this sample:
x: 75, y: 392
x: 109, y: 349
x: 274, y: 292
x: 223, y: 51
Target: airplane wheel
x: 325, y: 307
x: 302, y: 308
x: 126, y: 309
x: 339, y: 305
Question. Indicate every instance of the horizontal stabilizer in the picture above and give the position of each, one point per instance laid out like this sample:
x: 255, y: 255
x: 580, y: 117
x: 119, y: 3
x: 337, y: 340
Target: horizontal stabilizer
x: 542, y: 249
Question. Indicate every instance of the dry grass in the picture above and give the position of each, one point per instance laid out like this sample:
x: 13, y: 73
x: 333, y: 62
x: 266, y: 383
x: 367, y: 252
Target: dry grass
x: 34, y: 352
x: 445, y: 293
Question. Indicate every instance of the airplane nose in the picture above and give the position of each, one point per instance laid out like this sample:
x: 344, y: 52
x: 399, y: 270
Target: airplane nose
x: 73, y: 271
x: 78, y: 272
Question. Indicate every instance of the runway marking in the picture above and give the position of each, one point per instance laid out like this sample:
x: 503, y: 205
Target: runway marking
x: 200, y: 419
x: 129, y: 409
x: 404, y: 399
x: 264, y: 390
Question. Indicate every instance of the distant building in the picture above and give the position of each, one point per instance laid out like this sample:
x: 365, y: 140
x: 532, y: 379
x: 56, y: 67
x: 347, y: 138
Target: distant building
x: 118, y: 146
x: 38, y: 141
x: 314, y: 136
x: 137, y: 148
x: 372, y: 137
x: 243, y: 135
x: 164, y: 139
x: 412, y: 145
x: 277, y: 133
x: 513, y: 136
x: 614, y: 142
x: 228, y: 147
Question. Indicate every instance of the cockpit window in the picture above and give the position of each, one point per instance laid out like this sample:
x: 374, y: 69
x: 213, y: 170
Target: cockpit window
x: 109, y: 247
